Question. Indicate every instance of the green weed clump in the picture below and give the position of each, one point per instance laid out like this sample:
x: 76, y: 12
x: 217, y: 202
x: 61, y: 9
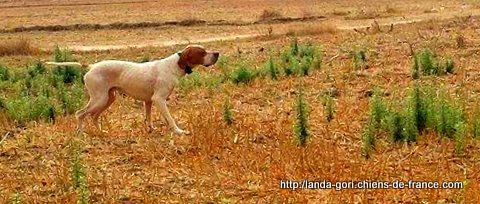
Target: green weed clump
x: 300, y: 59
x: 328, y: 107
x: 4, y: 73
x: 40, y: 94
x: 448, y: 117
x: 227, y: 113
x: 426, y: 62
x: 78, y: 173
x: 423, y: 110
x: 368, y: 141
x: 476, y: 126
x: 359, y: 58
x: 272, y: 69
x: 301, y: 122
x: 242, y: 74
x: 459, y: 138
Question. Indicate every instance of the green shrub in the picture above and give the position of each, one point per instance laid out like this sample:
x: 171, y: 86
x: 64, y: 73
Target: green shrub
x: 448, y: 117
x: 368, y: 141
x: 272, y: 69
x: 317, y: 59
x: 223, y: 64
x: 294, y: 50
x: 410, y: 130
x: 395, y: 126
x: 60, y: 55
x: 427, y: 63
x: 70, y: 98
x: 37, y: 69
x: 67, y: 74
x: 418, y: 108
x: 301, y: 122
x: 79, y: 173
x: 415, y: 68
x: 459, y: 138
x: 4, y: 73
x: 359, y: 59
x: 449, y: 66
x: 328, y: 107
x: 24, y: 109
x: 227, y: 113
x: 2, y: 104
x: 476, y: 126
x: 291, y: 68
x: 304, y: 66
x: 242, y: 74
x: 378, y: 110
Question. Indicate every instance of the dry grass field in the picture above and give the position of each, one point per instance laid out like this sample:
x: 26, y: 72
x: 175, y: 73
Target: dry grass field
x: 356, y: 68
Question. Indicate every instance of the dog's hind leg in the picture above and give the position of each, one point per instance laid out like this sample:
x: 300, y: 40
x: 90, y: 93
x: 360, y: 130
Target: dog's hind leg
x: 96, y: 114
x: 99, y: 97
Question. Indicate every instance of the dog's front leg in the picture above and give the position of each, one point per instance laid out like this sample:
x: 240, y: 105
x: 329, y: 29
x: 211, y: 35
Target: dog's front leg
x: 148, y: 115
x: 162, y: 105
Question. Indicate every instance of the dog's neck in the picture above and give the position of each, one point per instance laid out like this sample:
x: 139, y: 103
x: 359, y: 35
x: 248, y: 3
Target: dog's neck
x: 172, y: 62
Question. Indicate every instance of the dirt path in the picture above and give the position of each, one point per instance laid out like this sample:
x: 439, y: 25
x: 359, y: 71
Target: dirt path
x: 340, y: 24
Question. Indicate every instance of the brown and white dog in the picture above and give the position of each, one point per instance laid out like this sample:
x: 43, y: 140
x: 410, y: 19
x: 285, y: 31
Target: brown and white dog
x: 151, y: 82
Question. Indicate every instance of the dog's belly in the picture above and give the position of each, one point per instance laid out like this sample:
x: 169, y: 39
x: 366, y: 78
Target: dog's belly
x: 140, y: 91
x: 137, y: 82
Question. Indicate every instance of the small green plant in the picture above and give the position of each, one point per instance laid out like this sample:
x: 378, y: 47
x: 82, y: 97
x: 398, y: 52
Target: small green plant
x: 359, y: 59
x: 368, y: 141
x: 448, y: 117
x: 78, y: 173
x: 294, y: 50
x: 415, y: 68
x: 378, y: 109
x: 410, y: 131
x: 304, y: 66
x: 291, y: 68
x: 37, y: 69
x: 4, y: 73
x: 427, y: 63
x: 67, y: 74
x: 227, y: 113
x: 70, y: 98
x: 459, y: 138
x: 242, y: 74
x: 60, y: 55
x: 395, y: 127
x: 301, y: 123
x: 418, y: 108
x: 272, y: 69
x: 223, y: 64
x: 449, y: 66
x: 476, y: 126
x: 328, y: 107
x: 2, y: 104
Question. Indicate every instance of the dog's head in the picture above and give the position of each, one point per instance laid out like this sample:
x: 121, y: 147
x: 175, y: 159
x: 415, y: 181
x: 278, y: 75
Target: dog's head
x: 194, y: 55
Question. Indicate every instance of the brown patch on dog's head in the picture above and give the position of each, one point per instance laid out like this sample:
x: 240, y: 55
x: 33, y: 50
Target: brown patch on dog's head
x: 194, y: 55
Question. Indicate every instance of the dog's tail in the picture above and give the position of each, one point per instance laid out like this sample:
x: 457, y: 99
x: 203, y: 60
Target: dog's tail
x: 77, y: 64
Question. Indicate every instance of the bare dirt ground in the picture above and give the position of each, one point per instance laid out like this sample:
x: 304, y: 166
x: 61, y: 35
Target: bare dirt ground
x: 245, y: 162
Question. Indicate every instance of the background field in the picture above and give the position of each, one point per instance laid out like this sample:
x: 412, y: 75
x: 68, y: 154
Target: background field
x: 244, y: 161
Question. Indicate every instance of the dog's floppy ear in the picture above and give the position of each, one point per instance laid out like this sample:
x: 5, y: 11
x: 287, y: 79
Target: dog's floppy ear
x: 190, y: 57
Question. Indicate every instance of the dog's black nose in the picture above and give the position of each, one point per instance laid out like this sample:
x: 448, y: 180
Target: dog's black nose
x: 216, y: 54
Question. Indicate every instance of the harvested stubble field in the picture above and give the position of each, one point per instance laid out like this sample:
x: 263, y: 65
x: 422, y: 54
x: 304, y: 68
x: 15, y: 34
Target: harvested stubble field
x: 42, y: 160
